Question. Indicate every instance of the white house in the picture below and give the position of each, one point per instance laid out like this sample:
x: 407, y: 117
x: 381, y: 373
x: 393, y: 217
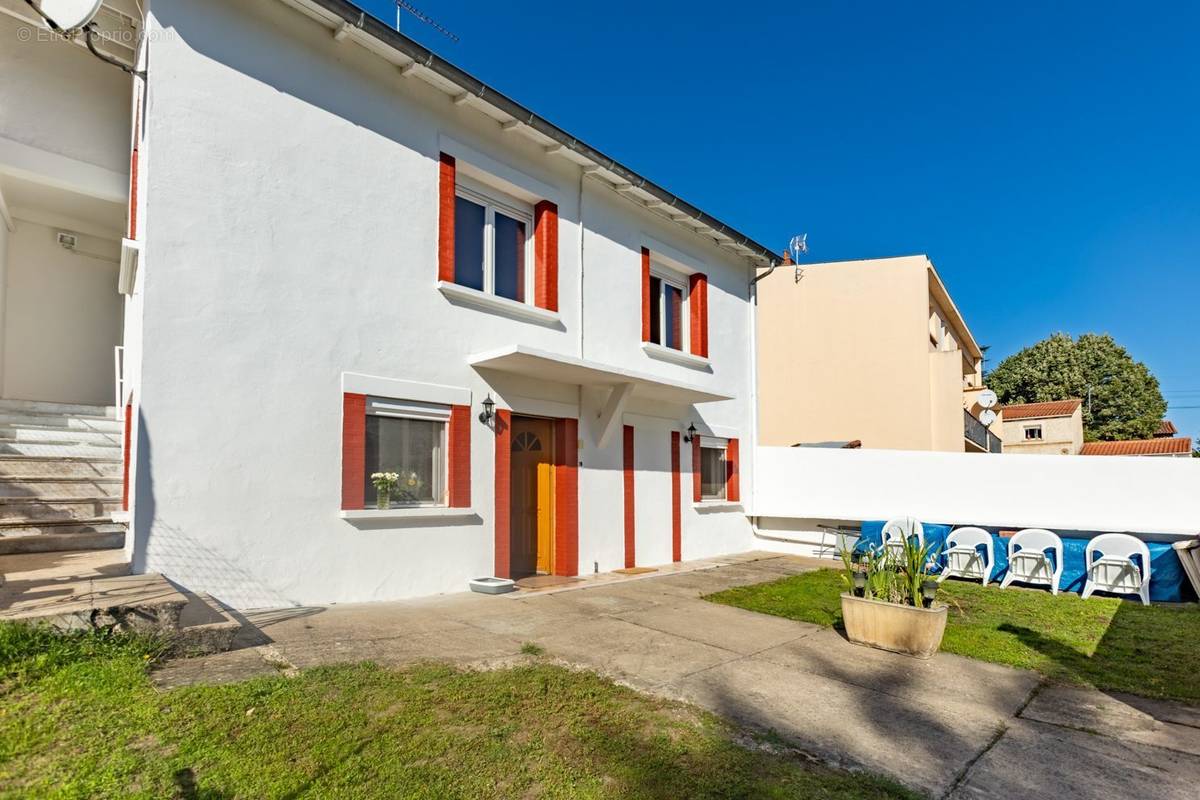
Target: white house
x: 340, y: 251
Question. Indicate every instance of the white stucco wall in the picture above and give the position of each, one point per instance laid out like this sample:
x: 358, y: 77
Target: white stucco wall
x: 93, y: 127
x: 1151, y: 497
x: 291, y: 236
x: 62, y: 317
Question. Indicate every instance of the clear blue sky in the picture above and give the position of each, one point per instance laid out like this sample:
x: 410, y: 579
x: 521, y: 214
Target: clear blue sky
x: 1046, y: 158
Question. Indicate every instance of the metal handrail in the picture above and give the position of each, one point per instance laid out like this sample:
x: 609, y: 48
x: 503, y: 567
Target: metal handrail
x: 119, y: 380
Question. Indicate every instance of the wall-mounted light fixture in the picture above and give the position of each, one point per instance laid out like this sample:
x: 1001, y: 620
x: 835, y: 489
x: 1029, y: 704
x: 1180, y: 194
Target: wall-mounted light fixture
x: 488, y: 413
x: 691, y: 433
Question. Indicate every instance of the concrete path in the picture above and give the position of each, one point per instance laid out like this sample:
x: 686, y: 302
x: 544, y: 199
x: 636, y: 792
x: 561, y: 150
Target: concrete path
x: 949, y: 727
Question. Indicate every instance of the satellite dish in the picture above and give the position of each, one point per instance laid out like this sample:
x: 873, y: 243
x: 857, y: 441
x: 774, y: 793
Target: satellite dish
x: 70, y: 15
x: 987, y: 416
x: 987, y: 399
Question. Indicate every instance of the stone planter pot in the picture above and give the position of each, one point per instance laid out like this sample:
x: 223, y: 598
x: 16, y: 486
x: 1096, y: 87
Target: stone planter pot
x: 888, y: 626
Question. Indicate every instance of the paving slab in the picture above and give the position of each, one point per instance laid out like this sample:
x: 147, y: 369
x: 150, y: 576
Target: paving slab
x: 736, y: 629
x: 1000, y: 689
x: 1034, y: 760
x: 924, y: 745
x: 630, y: 653
x: 1160, y: 723
x: 231, y: 667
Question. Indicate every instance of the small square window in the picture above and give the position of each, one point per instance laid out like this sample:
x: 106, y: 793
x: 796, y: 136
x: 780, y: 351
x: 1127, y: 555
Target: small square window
x: 1033, y: 433
x: 492, y: 243
x: 408, y: 439
x: 714, y: 471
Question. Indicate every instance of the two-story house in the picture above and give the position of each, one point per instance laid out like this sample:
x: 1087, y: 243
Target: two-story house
x: 346, y: 256
x: 873, y: 351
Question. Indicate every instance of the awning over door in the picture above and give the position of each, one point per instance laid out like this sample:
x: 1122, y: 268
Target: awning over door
x: 548, y: 366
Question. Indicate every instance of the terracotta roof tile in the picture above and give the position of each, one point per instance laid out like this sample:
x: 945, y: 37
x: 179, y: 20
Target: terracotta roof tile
x: 1055, y: 408
x: 1167, y: 428
x: 1139, y: 447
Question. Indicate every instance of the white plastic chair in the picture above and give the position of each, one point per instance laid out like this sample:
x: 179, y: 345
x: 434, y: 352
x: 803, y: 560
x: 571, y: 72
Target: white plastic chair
x: 1027, y: 559
x: 963, y: 559
x: 898, y: 531
x: 1115, y: 571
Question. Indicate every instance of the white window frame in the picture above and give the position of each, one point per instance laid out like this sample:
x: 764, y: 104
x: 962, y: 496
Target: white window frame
x: 714, y: 443
x: 680, y: 282
x: 493, y: 201
x: 426, y: 412
x: 1029, y: 429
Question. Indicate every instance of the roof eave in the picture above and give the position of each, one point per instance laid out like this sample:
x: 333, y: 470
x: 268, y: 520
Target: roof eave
x: 348, y: 19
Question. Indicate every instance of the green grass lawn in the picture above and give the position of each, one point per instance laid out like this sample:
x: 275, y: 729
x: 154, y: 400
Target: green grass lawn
x: 80, y: 718
x: 1103, y: 642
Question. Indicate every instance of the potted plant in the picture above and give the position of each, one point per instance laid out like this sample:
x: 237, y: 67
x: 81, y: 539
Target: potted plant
x: 385, y: 484
x: 889, y: 602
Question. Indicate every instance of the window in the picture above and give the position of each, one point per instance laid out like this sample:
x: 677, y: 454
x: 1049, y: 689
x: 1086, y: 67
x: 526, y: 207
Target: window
x: 667, y: 311
x: 492, y: 243
x: 407, y: 438
x: 1033, y: 433
x: 714, y: 471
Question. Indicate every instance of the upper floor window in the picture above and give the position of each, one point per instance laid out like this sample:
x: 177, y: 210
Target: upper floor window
x: 1033, y: 433
x: 668, y: 311
x: 492, y: 244
x: 495, y: 243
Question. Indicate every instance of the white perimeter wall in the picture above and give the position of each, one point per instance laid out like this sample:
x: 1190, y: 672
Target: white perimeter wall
x: 799, y: 487
x: 291, y: 235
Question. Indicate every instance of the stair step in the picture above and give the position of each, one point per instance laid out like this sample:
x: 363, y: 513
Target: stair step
x: 61, y: 537
x: 82, y: 509
x: 60, y: 409
x: 83, y: 590
x: 60, y: 436
x: 27, y: 467
x: 60, y: 422
x: 48, y: 488
x: 205, y: 626
x: 82, y: 452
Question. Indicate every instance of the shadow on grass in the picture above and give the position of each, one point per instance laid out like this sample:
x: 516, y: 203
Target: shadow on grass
x: 186, y: 788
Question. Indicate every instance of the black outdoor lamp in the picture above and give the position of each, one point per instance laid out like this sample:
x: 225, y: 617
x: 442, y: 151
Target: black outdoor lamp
x: 860, y: 582
x: 691, y: 433
x: 489, y: 406
x: 929, y: 591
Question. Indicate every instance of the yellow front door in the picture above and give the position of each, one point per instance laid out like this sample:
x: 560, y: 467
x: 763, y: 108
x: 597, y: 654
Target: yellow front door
x: 532, y: 498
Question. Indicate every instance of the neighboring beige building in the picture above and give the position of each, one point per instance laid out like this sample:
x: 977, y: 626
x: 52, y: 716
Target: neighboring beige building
x: 1054, y: 428
x: 872, y: 350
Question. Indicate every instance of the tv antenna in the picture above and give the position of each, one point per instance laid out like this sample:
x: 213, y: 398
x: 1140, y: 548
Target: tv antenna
x: 797, y: 247
x: 423, y: 17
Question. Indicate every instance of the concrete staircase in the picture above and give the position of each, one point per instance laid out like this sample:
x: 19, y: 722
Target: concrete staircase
x: 61, y: 549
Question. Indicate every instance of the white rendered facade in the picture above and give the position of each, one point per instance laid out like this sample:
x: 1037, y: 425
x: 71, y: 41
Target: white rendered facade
x: 289, y: 186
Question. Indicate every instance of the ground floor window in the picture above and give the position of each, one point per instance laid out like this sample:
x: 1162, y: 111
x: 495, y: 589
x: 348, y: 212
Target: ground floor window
x: 409, y: 440
x: 714, y: 470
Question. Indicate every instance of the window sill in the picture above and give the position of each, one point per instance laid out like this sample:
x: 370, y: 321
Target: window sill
x: 717, y: 506
x: 676, y: 356
x: 498, y: 305
x: 416, y: 512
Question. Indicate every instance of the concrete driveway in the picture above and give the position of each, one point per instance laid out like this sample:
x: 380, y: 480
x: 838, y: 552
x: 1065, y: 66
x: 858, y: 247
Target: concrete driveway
x: 950, y: 726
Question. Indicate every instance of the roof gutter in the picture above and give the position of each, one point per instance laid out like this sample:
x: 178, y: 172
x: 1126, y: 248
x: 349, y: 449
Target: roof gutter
x: 352, y: 15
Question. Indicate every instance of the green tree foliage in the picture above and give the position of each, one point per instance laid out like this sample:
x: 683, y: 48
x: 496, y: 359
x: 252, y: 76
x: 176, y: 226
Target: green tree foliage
x: 1126, y: 402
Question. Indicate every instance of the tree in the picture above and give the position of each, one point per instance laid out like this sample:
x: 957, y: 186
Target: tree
x: 1121, y: 398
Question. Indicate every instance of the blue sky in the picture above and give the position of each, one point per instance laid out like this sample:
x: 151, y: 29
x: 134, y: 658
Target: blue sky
x: 1046, y: 158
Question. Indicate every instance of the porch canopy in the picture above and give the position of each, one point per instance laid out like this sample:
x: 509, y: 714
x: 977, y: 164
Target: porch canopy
x: 542, y: 364
x: 621, y: 383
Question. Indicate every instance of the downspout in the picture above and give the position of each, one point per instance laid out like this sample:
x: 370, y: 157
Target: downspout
x: 753, y: 302
x: 582, y: 267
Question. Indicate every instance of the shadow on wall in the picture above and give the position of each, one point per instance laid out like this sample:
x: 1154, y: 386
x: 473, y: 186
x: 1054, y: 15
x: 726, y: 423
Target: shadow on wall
x: 164, y: 548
